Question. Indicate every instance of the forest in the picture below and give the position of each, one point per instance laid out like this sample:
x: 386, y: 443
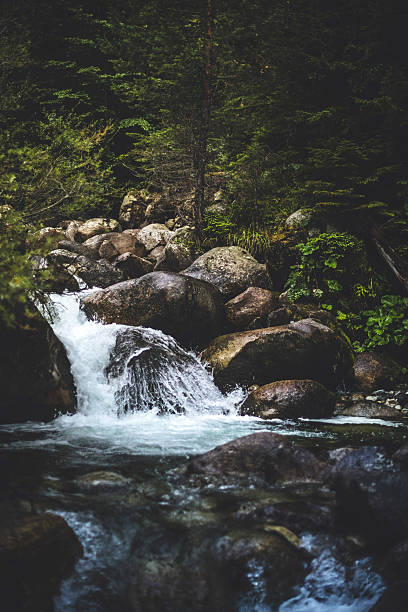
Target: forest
x: 204, y: 219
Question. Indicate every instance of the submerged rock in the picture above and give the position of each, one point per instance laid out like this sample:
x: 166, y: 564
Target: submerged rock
x: 286, y: 399
x: 231, y: 269
x: 186, y: 308
x: 36, y: 553
x: 301, y: 350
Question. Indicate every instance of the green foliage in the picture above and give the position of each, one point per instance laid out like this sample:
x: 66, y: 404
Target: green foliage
x: 61, y: 172
x: 333, y: 270
x: 387, y: 324
x: 19, y: 288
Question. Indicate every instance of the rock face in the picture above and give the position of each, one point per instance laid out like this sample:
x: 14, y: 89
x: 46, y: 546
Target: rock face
x: 95, y: 226
x: 35, y: 374
x: 254, y: 303
x: 288, y: 399
x: 267, y: 456
x: 375, y: 371
x: 36, y: 553
x: 186, y: 308
x: 305, y: 349
x: 231, y: 269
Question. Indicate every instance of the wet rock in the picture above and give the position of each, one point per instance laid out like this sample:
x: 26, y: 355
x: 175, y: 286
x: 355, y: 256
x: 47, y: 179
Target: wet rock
x: 117, y: 244
x: 36, y: 553
x: 254, y: 303
x: 101, y: 481
x: 196, y: 572
x: 302, y: 350
x: 98, y: 225
x: 99, y: 273
x: 375, y: 371
x: 372, y: 496
x: 266, y: 457
x: 132, y: 210
x: 35, y: 375
x: 371, y: 410
x: 154, y: 235
x: 133, y: 266
x: 231, y: 269
x: 60, y: 280
x: 188, y: 309
x: 286, y: 399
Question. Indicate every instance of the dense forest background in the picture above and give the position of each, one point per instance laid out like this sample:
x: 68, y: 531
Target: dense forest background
x: 282, y: 104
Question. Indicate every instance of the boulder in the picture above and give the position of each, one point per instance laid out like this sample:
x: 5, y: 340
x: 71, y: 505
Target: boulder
x: 96, y: 242
x: 265, y: 456
x: 132, y: 210
x: 231, y: 269
x: 188, y: 309
x: 78, y: 249
x: 304, y: 349
x: 287, y: 399
x: 154, y: 235
x: 133, y: 266
x: 375, y: 371
x: 371, y: 410
x: 98, y: 225
x: 300, y: 219
x: 401, y: 457
x: 117, y: 244
x: 101, y: 481
x: 98, y: 273
x: 45, y: 238
x: 71, y: 231
x: 36, y: 553
x: 254, y: 303
x: 35, y: 375
x: 174, y: 258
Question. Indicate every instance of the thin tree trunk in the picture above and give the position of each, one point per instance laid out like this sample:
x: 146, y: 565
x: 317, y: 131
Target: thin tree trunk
x: 202, y: 144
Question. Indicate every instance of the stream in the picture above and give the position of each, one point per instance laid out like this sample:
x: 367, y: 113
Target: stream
x: 145, y: 405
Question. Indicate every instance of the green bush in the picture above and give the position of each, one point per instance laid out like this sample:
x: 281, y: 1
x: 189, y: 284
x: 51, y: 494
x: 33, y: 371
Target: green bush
x: 333, y: 271
x: 19, y: 288
x: 387, y: 324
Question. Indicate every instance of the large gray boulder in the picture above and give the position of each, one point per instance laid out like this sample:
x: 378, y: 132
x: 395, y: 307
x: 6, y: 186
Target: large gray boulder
x: 35, y: 375
x: 231, y: 269
x: 154, y: 235
x: 100, y: 273
x: 300, y: 350
x: 191, y: 310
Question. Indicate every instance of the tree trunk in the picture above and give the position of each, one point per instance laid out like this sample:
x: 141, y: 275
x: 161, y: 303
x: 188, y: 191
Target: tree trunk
x: 204, y: 125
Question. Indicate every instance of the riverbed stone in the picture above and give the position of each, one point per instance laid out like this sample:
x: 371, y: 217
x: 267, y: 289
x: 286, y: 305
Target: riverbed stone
x: 132, y: 210
x: 120, y: 243
x: 231, y: 269
x: 301, y: 350
x: 189, y: 309
x: 133, y: 266
x: 78, y: 248
x: 373, y: 370
x: 97, y: 225
x: 154, y: 235
x: 36, y: 553
x: 254, y: 303
x: 371, y: 410
x: 35, y: 375
x: 287, y: 399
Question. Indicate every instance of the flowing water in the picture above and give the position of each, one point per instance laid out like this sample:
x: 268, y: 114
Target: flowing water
x: 144, y: 405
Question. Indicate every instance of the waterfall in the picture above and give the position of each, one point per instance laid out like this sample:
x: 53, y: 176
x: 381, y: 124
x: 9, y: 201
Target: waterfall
x: 120, y: 369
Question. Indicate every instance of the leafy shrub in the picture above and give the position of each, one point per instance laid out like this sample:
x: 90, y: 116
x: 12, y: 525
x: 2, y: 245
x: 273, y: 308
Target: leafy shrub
x: 333, y: 270
x: 19, y: 288
x: 387, y: 324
